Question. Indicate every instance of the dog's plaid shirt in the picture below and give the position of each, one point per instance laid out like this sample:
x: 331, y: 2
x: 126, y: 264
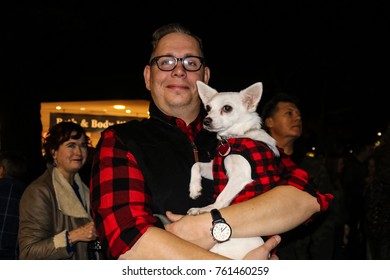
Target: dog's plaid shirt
x: 268, y: 171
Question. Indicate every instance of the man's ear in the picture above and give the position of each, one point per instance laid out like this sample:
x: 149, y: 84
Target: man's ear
x: 2, y: 171
x: 269, y: 122
x: 147, y: 77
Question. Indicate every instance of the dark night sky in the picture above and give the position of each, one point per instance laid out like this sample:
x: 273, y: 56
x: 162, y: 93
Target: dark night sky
x: 332, y: 54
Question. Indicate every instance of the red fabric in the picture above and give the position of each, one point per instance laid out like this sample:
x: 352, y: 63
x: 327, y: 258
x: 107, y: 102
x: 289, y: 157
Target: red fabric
x: 268, y: 171
x: 125, y: 211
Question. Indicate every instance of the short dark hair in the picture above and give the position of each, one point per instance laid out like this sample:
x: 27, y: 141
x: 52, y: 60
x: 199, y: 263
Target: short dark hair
x: 173, y: 28
x: 60, y: 133
x: 269, y: 109
x: 14, y: 164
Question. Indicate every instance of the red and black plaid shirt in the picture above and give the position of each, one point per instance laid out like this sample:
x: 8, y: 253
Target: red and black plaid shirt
x: 119, y: 194
x: 268, y: 171
x: 118, y: 183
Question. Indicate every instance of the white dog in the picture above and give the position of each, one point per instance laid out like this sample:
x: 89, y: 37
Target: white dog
x: 239, y: 170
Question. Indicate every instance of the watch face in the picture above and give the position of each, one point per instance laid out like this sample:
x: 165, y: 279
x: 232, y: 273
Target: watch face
x: 221, y: 232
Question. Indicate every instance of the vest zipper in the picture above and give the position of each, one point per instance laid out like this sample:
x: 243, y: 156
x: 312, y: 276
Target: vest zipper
x: 195, y: 150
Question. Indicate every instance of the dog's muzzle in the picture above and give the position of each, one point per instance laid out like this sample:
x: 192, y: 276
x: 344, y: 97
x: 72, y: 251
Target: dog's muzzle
x: 207, y: 121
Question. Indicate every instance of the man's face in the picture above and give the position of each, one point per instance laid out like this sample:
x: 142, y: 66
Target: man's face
x: 176, y: 89
x: 287, y: 121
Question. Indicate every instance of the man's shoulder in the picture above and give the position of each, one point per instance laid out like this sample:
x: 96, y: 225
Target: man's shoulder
x: 133, y: 124
x: 11, y: 187
x: 134, y: 129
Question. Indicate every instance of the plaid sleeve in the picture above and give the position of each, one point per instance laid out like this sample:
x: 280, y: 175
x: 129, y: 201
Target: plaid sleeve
x: 300, y: 179
x: 119, y: 202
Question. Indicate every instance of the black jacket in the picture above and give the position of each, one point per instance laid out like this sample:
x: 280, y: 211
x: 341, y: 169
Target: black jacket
x: 165, y: 156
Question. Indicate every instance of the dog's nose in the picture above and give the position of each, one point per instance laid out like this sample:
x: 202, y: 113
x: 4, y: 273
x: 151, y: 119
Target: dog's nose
x: 207, y: 121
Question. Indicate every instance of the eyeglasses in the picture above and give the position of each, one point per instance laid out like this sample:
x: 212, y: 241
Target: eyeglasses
x: 169, y: 62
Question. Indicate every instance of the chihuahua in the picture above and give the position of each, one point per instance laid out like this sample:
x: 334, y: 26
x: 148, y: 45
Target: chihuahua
x: 245, y: 161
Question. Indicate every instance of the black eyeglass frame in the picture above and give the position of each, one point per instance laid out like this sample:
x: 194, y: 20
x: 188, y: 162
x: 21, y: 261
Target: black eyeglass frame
x: 177, y: 59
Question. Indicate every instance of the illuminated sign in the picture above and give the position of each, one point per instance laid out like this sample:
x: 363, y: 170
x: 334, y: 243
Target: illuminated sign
x: 91, y: 123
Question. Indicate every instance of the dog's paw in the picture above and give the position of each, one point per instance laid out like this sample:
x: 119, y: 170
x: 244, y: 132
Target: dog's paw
x: 197, y: 211
x: 193, y: 211
x: 195, y: 191
x: 207, y: 208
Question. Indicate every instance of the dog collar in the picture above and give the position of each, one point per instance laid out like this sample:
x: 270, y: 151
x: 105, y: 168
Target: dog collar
x: 224, y: 147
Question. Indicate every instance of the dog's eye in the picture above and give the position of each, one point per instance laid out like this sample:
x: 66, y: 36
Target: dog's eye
x: 227, y: 108
x: 208, y: 108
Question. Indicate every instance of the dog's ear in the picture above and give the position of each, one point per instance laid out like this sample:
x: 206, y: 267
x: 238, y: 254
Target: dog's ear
x: 251, y: 96
x: 205, y: 92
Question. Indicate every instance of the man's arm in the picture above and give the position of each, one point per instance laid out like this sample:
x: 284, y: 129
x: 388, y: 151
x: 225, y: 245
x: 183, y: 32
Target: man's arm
x: 276, y: 211
x: 126, y: 227
x: 158, y: 244
x: 273, y: 212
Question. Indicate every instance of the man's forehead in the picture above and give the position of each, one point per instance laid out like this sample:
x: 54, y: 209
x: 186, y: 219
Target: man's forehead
x: 177, y: 44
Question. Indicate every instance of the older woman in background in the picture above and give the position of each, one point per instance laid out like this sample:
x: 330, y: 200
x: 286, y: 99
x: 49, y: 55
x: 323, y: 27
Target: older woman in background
x: 55, y: 220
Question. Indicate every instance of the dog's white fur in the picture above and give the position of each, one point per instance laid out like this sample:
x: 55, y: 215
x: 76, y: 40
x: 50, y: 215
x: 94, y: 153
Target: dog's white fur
x: 230, y: 115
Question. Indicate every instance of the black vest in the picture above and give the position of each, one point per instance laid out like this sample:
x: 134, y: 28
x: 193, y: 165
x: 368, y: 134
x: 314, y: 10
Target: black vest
x: 165, y: 156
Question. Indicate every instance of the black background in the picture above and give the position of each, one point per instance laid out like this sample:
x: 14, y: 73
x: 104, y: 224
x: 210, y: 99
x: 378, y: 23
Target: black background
x: 332, y: 54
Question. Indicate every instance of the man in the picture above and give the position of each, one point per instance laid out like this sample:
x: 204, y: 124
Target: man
x: 283, y: 121
x: 13, y: 171
x: 143, y: 168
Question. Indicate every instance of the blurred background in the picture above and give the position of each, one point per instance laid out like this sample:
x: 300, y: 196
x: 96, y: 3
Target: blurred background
x: 333, y: 55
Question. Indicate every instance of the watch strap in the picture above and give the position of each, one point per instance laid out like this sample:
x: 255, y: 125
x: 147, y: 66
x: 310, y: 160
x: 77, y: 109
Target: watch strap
x: 216, y: 216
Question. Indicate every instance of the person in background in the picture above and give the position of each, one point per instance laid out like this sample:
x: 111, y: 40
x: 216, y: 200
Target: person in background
x: 142, y: 168
x: 13, y: 172
x: 283, y: 121
x: 377, y: 211
x: 354, y: 183
x: 334, y: 164
x: 55, y: 220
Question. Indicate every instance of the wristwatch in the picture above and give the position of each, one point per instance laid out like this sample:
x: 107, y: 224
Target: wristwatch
x: 221, y: 230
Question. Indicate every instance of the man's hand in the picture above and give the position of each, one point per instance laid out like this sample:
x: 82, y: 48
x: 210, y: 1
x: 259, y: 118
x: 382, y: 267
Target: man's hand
x: 195, y: 229
x: 264, y: 252
x: 181, y: 223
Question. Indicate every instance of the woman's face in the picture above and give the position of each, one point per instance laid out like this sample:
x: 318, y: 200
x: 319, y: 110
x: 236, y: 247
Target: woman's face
x: 71, y: 155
